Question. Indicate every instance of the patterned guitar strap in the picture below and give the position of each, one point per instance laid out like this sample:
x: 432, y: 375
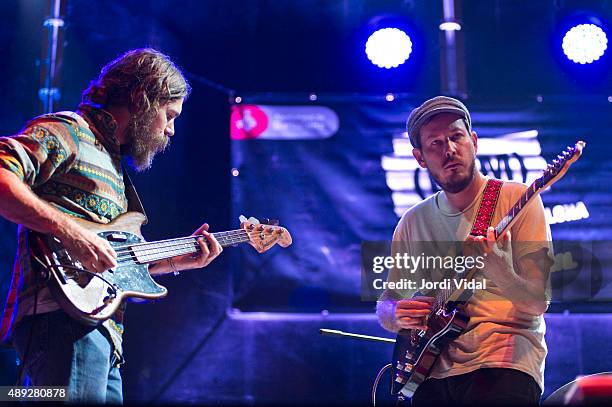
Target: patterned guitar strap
x: 486, y: 208
x: 482, y: 221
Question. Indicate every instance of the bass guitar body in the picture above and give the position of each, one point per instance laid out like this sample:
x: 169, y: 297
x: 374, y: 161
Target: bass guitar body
x: 91, y: 297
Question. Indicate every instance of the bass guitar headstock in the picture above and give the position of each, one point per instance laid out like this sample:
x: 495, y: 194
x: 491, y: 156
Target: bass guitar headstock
x: 264, y: 235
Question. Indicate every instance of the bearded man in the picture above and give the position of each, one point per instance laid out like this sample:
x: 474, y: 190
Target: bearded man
x: 499, y: 358
x: 66, y: 165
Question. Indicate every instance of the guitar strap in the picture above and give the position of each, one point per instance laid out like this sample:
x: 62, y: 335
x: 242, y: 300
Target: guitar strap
x: 134, y: 202
x: 487, y: 205
x: 482, y: 221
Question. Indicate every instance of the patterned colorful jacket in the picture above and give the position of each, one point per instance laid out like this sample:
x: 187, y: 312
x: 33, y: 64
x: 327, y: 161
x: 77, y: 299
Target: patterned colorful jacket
x: 71, y: 160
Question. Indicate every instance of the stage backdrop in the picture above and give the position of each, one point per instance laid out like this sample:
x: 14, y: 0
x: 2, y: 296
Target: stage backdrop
x: 337, y: 170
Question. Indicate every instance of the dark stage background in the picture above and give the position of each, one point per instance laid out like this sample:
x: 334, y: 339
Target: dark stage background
x: 244, y: 330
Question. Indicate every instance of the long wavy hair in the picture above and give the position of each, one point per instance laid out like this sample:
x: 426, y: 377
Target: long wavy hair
x: 141, y: 80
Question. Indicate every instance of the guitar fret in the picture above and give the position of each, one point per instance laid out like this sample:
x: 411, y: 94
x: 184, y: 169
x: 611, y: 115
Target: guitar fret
x: 516, y: 208
x: 149, y: 252
x: 163, y: 250
x: 231, y: 237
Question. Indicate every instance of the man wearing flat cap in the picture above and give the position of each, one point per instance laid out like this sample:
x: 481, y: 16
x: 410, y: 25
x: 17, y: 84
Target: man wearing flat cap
x: 499, y: 357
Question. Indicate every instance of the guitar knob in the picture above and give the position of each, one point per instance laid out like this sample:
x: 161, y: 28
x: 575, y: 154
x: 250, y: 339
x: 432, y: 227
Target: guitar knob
x: 399, y: 366
x: 408, y: 367
x: 399, y: 379
x: 409, y: 355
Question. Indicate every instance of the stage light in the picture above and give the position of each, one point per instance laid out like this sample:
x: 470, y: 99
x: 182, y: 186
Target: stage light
x: 450, y: 26
x: 585, y: 43
x: 388, y: 47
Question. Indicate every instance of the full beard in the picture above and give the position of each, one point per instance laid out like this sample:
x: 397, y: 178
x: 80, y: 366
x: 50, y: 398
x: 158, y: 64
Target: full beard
x: 143, y: 144
x: 456, y: 182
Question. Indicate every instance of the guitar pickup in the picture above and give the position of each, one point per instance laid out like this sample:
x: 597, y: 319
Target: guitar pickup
x: 116, y: 237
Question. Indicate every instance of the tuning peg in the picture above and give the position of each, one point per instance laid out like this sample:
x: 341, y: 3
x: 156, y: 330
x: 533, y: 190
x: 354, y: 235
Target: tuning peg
x: 251, y: 220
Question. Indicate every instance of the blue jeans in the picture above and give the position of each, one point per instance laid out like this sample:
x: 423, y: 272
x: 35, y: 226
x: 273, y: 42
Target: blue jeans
x: 64, y: 352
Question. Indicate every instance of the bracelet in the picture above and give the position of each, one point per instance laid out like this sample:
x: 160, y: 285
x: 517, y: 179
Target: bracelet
x: 174, y: 270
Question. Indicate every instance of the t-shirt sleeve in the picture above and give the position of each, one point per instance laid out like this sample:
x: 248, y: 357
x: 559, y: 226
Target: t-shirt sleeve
x: 44, y: 147
x: 400, y: 246
x: 531, y: 232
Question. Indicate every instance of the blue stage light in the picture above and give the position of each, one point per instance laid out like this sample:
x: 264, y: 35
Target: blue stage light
x: 388, y: 47
x: 585, y: 43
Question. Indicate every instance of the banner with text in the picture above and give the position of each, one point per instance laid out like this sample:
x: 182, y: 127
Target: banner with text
x: 338, y: 170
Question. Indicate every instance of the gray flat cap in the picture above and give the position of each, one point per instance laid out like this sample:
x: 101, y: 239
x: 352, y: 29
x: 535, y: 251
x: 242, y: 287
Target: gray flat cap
x: 432, y: 107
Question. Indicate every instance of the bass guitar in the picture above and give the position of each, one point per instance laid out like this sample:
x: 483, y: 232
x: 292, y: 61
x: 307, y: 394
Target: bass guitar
x: 91, y: 297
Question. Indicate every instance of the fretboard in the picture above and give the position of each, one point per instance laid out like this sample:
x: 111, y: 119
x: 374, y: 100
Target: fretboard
x: 151, y: 252
x: 520, y: 204
x: 501, y: 227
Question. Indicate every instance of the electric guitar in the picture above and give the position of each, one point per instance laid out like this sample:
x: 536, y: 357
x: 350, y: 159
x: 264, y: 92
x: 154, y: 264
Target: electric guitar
x: 416, y: 351
x: 91, y: 297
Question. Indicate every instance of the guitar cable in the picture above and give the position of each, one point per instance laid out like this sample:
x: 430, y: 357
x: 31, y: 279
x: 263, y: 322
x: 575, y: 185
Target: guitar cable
x: 92, y: 273
x: 376, y: 381
x: 26, y: 353
x: 23, y: 360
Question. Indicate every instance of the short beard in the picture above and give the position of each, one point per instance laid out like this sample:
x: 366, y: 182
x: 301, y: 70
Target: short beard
x: 457, y: 185
x: 142, y: 145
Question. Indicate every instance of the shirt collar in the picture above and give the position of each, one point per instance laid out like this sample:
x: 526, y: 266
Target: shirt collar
x: 102, y: 124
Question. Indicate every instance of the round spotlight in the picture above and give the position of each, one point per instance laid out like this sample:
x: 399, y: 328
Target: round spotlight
x: 388, y: 48
x: 450, y: 26
x: 585, y: 43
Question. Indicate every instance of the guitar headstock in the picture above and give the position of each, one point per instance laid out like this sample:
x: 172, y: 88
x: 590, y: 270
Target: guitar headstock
x: 262, y: 236
x: 560, y: 165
